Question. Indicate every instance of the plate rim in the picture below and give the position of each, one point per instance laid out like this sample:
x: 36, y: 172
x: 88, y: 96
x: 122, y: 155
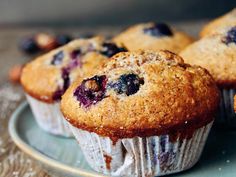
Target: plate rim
x: 32, y: 152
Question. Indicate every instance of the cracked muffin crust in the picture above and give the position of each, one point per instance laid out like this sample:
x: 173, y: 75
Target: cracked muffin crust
x: 142, y: 93
x: 223, y: 21
x: 216, y: 53
x: 153, y: 36
x: 47, y: 77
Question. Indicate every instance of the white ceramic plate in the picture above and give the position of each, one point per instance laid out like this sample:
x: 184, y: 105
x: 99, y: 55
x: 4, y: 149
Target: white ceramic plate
x: 63, y: 156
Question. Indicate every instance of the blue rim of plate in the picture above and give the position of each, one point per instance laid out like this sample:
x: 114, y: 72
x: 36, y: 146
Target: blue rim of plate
x: 12, y: 128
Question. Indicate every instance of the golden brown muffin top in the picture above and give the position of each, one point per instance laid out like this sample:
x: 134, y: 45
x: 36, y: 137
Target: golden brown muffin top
x: 153, y: 36
x: 47, y: 77
x: 142, y: 93
x: 217, y: 54
x: 218, y: 23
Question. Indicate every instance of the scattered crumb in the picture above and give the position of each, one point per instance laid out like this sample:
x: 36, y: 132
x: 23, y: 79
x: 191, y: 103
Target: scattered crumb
x: 15, y: 173
x: 28, y: 161
x: 220, y: 169
x: 13, y: 156
x: 29, y: 174
x: 9, y: 99
x: 22, y: 161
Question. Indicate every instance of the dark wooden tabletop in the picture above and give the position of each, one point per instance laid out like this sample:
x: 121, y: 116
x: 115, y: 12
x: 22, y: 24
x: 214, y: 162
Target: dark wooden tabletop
x: 13, y: 162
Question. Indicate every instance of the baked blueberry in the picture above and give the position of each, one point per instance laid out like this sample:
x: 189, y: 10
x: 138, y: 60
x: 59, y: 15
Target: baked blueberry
x: 158, y: 30
x: 75, y: 61
x: 127, y: 83
x: 66, y: 78
x: 65, y: 74
x: 91, y: 90
x: 63, y: 39
x: 29, y: 45
x: 75, y: 53
x: 57, y: 94
x: 57, y: 58
x: 110, y: 49
x: 231, y: 36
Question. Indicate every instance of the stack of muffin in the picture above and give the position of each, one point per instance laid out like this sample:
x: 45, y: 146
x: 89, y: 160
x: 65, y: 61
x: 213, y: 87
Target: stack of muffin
x: 133, y: 104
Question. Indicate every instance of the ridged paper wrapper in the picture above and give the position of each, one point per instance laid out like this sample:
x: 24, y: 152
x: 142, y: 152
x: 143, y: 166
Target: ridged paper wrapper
x: 49, y: 117
x: 149, y: 156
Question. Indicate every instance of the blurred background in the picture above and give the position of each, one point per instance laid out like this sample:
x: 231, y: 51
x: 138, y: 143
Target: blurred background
x: 26, y: 20
x: 107, y: 12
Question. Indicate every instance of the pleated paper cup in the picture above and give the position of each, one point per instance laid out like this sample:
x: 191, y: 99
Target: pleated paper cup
x: 49, y: 117
x: 149, y: 156
x: 226, y: 114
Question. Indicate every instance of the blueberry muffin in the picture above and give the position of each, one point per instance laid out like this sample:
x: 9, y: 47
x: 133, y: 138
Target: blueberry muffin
x: 218, y: 23
x: 46, y: 78
x: 153, y: 36
x: 146, y: 113
x: 217, y: 54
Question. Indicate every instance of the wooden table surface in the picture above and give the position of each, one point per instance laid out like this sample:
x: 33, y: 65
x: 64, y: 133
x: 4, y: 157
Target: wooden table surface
x: 13, y: 162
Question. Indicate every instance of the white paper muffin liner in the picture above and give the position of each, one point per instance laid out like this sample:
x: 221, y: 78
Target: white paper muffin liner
x: 226, y: 113
x: 150, y: 156
x: 49, y: 117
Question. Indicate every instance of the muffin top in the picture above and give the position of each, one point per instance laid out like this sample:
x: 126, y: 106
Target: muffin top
x: 217, y: 54
x: 218, y: 23
x: 47, y: 77
x: 142, y: 93
x: 153, y: 36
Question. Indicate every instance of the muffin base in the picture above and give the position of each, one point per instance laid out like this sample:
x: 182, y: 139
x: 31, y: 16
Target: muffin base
x: 226, y: 114
x: 49, y: 117
x: 150, y: 156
